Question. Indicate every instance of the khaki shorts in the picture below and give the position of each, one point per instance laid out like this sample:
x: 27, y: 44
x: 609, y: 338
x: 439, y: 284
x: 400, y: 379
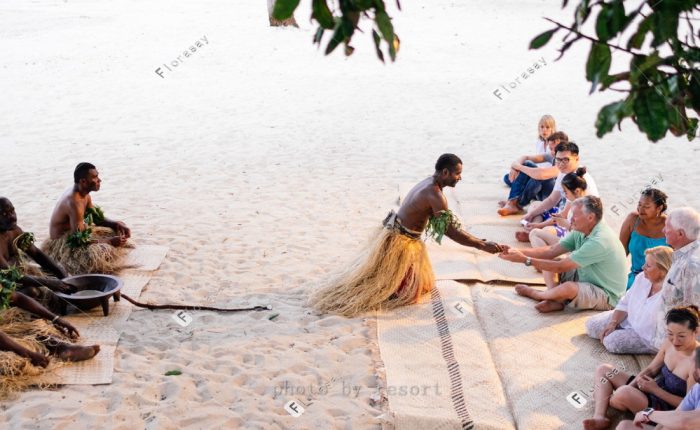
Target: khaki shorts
x: 589, y: 296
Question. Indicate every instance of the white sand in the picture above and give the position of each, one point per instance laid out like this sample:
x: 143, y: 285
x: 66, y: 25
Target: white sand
x: 264, y: 166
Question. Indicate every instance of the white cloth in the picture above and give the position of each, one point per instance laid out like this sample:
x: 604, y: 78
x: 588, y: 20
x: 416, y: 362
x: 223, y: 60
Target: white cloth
x: 541, y: 149
x: 591, y: 187
x: 641, y: 309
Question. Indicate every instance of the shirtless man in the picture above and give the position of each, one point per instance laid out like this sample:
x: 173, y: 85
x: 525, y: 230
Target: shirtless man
x: 426, y: 199
x: 395, y: 269
x: 68, y: 215
x: 9, y: 255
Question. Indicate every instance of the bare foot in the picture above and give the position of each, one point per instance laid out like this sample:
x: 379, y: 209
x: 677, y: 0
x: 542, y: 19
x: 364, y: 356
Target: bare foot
x: 509, y: 209
x: 528, y: 292
x: 596, y: 423
x: 522, y: 236
x: 67, y: 352
x: 546, y: 306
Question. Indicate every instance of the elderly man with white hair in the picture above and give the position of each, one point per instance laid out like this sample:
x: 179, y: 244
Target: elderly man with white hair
x: 682, y: 284
x: 591, y: 277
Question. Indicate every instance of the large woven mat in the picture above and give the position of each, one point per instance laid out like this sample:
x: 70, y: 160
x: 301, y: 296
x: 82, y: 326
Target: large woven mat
x: 95, y: 328
x: 439, y: 370
x: 498, y: 363
x: 542, y: 359
x: 476, y: 207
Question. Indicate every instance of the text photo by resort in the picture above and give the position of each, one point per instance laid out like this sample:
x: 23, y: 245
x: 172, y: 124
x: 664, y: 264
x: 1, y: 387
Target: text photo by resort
x: 350, y: 214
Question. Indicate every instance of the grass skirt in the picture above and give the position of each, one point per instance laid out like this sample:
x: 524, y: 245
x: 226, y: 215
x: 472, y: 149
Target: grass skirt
x: 17, y: 373
x: 95, y: 258
x: 393, y: 271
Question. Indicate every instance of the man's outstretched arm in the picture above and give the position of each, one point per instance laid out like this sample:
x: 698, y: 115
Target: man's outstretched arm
x: 463, y: 238
x: 45, y: 262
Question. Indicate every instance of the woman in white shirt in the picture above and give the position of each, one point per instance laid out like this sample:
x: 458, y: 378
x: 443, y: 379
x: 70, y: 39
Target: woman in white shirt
x: 629, y: 328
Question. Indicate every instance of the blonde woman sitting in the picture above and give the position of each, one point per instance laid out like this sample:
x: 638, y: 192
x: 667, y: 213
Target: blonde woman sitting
x: 630, y: 327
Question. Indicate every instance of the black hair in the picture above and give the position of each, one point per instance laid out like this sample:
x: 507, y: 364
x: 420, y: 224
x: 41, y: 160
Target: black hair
x: 657, y: 196
x: 682, y: 314
x: 81, y: 171
x: 575, y: 180
x: 558, y: 135
x: 567, y: 146
x: 447, y: 161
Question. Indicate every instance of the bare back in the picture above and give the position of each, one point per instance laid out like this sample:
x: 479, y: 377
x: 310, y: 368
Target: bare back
x: 425, y: 199
x: 68, y: 213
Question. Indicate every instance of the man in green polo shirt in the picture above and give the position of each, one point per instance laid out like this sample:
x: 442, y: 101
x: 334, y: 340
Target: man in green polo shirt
x: 591, y: 277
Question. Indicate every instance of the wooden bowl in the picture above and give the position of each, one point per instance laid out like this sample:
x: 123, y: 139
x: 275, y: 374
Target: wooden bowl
x: 91, y: 291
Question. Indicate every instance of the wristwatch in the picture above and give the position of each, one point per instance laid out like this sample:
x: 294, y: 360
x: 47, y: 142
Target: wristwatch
x: 528, y: 261
x: 646, y: 412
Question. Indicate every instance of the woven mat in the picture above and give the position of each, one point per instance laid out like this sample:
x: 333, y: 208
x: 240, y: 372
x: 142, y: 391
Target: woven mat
x: 542, y: 359
x: 476, y: 207
x: 439, y: 371
x: 498, y: 363
x: 95, y: 328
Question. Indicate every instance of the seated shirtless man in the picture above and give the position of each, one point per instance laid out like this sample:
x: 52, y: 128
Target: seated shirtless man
x: 81, y: 238
x: 395, y: 269
x: 14, y: 245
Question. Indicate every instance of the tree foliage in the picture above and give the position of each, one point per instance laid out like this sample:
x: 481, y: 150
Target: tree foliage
x: 341, y: 19
x: 661, y: 80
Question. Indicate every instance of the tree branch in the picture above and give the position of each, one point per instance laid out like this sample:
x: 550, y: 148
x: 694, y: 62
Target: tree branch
x: 592, y: 39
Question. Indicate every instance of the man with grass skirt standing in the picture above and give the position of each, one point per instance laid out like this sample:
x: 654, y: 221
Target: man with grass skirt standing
x: 395, y: 269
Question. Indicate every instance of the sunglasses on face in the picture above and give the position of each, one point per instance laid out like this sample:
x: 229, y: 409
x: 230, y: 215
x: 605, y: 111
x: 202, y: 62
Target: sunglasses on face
x: 564, y: 160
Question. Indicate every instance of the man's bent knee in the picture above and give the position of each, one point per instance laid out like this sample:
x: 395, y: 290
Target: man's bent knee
x: 569, y: 288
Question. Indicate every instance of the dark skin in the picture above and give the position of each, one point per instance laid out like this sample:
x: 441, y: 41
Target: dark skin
x: 9, y: 231
x: 70, y: 210
x: 64, y: 351
x: 651, y: 221
x: 426, y: 199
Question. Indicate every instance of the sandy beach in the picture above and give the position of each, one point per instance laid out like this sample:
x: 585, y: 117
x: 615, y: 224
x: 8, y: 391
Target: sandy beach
x: 265, y: 166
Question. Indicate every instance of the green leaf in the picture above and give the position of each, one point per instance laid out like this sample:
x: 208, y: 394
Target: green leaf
x: 377, y: 41
x: 363, y: 4
x: 319, y: 35
x: 641, y: 66
x: 612, y: 114
x: 322, y: 14
x: 677, y: 123
x: 694, y: 92
x: 598, y: 64
x: 343, y: 31
x: 582, y: 13
x: 542, y: 39
x: 284, y: 9
x: 385, y: 27
x: 637, y: 39
x: 651, y: 112
x: 175, y: 372
x: 665, y: 25
x: 692, y: 128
